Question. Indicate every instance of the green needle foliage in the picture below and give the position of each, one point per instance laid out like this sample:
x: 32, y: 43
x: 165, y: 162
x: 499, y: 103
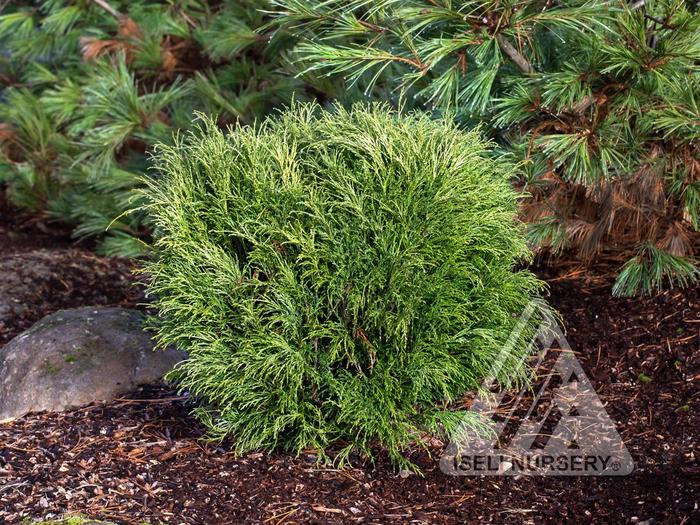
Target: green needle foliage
x: 599, y: 99
x: 88, y: 87
x: 337, y: 277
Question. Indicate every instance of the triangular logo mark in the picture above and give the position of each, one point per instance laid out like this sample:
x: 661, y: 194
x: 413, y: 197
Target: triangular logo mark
x: 562, y: 429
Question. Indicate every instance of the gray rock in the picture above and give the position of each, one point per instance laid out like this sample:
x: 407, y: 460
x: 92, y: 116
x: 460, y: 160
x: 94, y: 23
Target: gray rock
x: 78, y: 356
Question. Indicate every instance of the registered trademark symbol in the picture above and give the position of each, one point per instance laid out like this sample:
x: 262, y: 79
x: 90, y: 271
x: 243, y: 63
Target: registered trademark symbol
x: 615, y: 465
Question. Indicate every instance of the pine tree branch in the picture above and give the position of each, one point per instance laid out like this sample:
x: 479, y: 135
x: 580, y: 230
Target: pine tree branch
x: 514, y: 54
x: 111, y: 10
x: 662, y: 23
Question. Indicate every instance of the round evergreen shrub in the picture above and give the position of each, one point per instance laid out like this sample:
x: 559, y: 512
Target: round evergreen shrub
x: 337, y: 276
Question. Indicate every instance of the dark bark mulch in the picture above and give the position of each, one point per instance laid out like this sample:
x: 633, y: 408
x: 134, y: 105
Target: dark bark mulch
x: 54, y: 271
x: 143, y: 459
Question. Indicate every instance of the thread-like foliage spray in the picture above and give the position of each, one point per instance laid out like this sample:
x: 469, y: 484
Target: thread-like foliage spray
x: 337, y: 276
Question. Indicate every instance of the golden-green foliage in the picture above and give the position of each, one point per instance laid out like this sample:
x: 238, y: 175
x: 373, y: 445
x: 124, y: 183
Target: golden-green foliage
x: 337, y: 277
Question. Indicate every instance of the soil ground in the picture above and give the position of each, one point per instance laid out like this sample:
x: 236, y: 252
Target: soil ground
x: 142, y: 458
x: 70, y: 274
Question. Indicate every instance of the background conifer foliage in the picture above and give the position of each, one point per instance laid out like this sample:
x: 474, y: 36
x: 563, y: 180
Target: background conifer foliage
x: 88, y: 87
x: 599, y: 99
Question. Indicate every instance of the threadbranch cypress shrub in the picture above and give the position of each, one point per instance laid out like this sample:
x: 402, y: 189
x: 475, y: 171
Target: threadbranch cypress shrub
x: 337, y: 277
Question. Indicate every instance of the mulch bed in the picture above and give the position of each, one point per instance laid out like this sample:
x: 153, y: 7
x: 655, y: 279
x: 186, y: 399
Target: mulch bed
x: 143, y: 458
x: 75, y: 276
